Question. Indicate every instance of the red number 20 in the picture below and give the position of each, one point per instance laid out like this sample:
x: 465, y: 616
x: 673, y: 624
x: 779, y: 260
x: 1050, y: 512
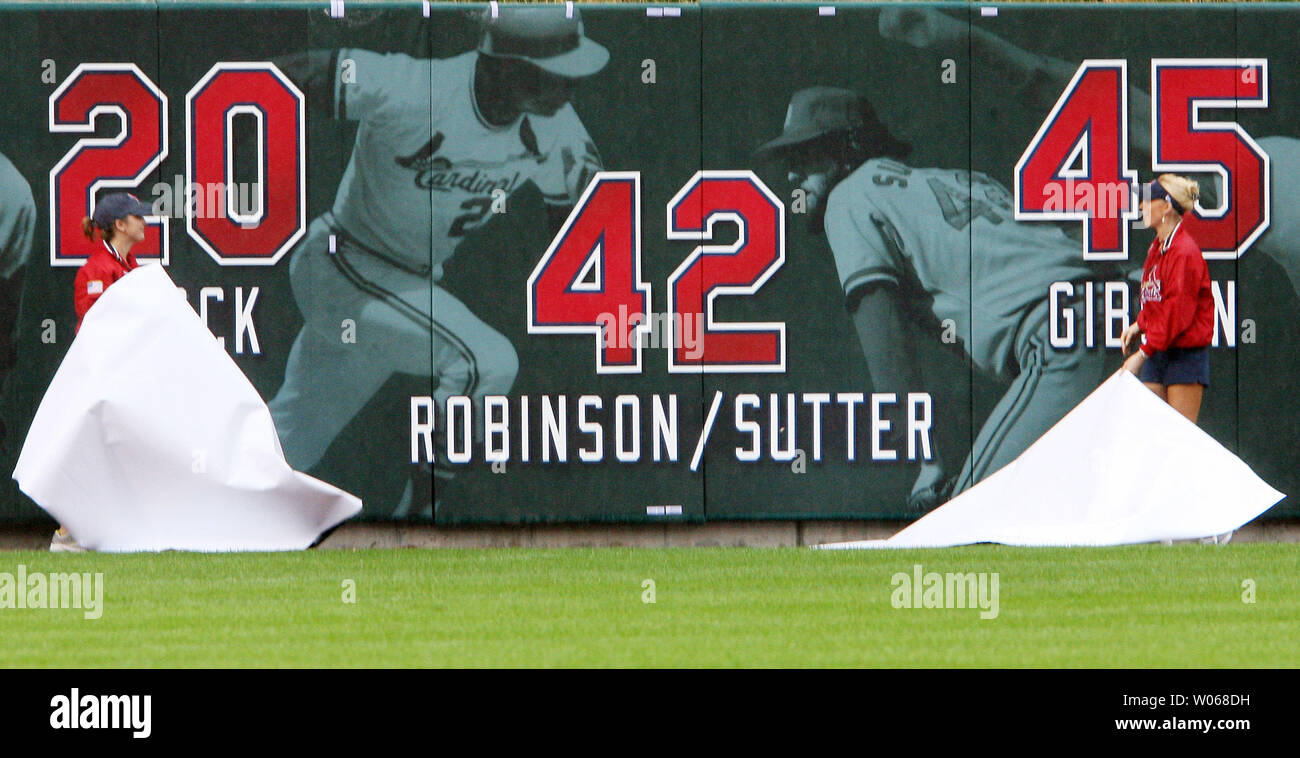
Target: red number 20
x: 124, y: 160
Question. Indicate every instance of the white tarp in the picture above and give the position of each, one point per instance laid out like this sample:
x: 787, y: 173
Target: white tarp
x: 1122, y: 467
x: 151, y: 438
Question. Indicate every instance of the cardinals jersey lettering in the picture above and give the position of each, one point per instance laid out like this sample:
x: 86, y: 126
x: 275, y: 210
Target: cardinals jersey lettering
x: 1151, y: 288
x: 427, y: 166
x: 947, y: 238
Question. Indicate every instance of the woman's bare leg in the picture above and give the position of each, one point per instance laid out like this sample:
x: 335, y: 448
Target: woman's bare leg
x: 1186, y: 399
x: 1159, y: 389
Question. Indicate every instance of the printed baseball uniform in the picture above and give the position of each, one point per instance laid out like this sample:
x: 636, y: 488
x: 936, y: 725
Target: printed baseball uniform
x: 946, y: 239
x: 422, y: 175
x: 17, y: 219
x: 17, y: 233
x: 1278, y: 242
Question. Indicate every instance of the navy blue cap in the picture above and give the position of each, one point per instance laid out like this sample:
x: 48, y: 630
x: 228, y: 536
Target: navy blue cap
x: 119, y: 205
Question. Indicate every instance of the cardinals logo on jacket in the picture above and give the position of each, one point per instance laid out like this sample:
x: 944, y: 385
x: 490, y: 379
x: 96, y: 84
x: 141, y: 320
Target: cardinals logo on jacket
x: 1151, y: 291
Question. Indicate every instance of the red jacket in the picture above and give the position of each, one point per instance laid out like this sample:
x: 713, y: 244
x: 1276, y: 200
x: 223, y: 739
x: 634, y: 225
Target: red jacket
x: 1177, y: 307
x: 96, y: 275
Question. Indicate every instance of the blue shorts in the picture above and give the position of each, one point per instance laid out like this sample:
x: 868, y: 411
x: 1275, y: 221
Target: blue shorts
x: 1190, y: 365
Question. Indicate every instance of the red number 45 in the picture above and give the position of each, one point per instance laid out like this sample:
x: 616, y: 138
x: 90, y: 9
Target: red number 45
x: 1076, y: 167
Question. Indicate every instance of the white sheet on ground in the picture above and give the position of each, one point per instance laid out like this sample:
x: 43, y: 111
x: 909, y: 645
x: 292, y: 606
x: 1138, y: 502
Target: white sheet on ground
x: 1122, y: 467
x: 151, y: 438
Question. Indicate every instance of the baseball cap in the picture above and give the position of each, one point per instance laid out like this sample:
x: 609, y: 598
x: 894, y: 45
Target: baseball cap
x: 118, y: 205
x: 817, y: 111
x: 546, y: 36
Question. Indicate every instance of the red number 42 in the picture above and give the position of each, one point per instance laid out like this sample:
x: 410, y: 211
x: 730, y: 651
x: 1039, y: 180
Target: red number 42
x: 589, y: 280
x: 1076, y: 167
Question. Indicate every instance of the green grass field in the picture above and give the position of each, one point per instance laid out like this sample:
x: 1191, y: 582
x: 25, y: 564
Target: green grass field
x: 1133, y: 606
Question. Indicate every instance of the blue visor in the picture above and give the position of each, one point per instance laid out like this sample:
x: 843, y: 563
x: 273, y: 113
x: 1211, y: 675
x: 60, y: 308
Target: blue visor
x: 1154, y: 191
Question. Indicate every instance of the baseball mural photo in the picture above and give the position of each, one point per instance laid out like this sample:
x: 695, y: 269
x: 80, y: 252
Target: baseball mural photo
x: 567, y: 263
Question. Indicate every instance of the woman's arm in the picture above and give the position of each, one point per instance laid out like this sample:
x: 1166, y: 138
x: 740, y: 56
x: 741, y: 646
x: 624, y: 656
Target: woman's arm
x: 1133, y: 364
x: 1131, y: 338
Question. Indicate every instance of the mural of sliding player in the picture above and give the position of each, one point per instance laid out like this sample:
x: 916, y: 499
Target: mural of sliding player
x: 17, y: 233
x: 935, y: 245
x: 413, y: 188
x: 1042, y: 80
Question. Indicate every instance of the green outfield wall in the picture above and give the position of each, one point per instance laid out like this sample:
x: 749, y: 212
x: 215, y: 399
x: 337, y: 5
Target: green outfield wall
x: 593, y: 265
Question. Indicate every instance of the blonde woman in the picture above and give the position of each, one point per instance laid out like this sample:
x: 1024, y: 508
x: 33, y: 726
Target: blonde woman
x: 1170, y: 341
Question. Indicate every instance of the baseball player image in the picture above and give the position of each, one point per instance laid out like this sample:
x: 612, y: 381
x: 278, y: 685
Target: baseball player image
x: 1042, y: 78
x: 17, y: 233
x: 17, y: 220
x: 930, y: 245
x: 438, y: 143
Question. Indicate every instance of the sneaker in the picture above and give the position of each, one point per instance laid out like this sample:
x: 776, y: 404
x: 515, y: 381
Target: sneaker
x: 62, y: 542
x: 1218, y: 539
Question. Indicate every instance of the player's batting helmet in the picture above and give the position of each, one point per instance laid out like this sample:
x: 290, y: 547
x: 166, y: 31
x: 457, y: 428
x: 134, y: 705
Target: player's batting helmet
x: 547, y: 36
x: 817, y: 112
